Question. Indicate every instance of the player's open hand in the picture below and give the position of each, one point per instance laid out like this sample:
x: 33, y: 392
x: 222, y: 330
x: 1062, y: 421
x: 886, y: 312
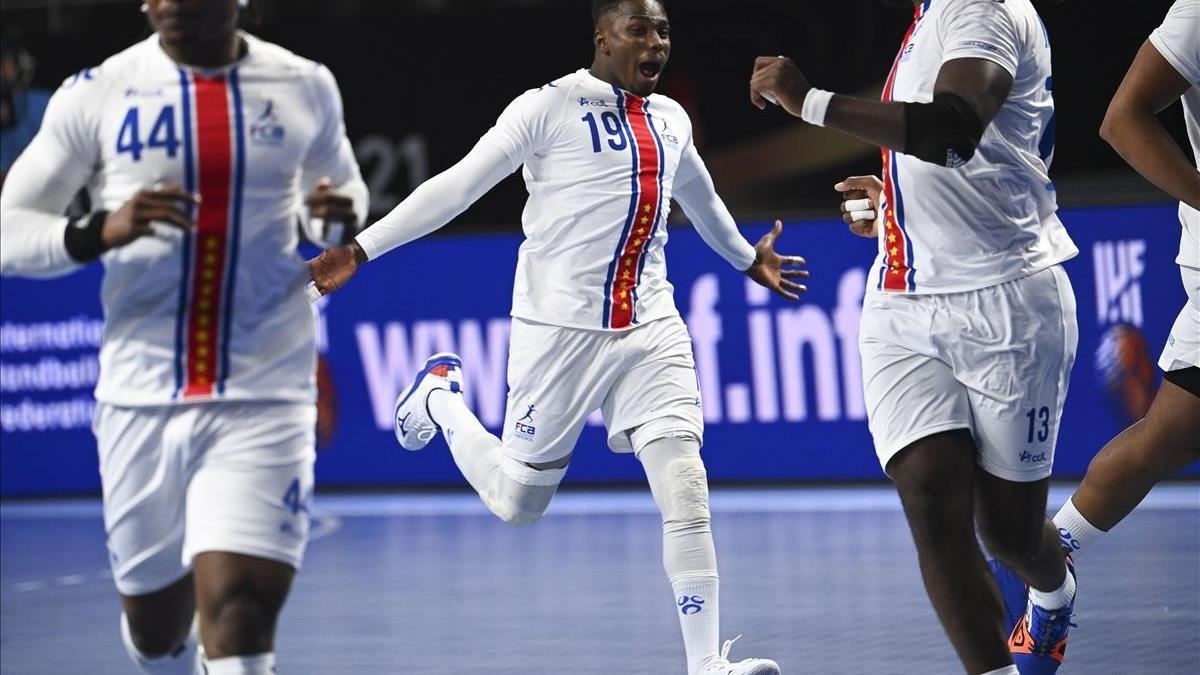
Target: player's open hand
x: 860, y: 204
x: 777, y: 80
x: 162, y: 204
x: 334, y: 267
x: 331, y: 216
x: 774, y: 271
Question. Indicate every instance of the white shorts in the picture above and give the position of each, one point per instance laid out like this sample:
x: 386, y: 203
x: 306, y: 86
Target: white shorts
x: 995, y: 361
x: 1183, y: 345
x: 181, y: 480
x: 558, y: 376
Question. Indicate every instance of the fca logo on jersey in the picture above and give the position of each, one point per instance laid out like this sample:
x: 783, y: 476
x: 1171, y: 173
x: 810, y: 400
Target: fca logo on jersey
x: 266, y: 129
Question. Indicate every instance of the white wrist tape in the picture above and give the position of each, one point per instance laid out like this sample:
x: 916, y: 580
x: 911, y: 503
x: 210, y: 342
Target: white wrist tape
x: 311, y: 290
x: 816, y: 104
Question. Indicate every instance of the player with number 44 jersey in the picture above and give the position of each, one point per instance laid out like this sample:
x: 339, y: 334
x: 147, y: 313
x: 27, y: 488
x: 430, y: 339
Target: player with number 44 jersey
x: 197, y: 147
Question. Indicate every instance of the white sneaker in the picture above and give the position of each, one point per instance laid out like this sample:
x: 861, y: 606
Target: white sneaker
x: 414, y: 426
x: 720, y: 665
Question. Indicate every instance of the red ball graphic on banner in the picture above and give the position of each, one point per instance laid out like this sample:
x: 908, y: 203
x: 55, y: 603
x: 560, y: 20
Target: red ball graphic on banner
x: 1126, y: 371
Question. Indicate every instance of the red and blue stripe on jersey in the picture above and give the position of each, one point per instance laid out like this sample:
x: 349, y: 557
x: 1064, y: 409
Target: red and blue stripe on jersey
x: 214, y: 168
x: 645, y: 210
x: 898, y: 269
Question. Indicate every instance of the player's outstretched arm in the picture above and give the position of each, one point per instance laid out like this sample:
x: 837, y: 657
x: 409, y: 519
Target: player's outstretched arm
x: 1132, y: 128
x: 436, y: 202
x: 695, y: 192
x: 967, y: 96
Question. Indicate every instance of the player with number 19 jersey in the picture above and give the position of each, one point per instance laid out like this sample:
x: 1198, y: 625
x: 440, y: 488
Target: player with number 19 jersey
x: 600, y: 165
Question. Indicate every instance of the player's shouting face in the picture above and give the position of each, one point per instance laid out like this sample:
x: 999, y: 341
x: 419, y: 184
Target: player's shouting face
x: 633, y: 43
x: 193, y: 23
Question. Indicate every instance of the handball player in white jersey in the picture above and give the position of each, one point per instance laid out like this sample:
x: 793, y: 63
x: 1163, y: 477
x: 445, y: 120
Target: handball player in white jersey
x: 594, y: 318
x: 197, y: 146
x: 1166, y: 70
x: 968, y: 328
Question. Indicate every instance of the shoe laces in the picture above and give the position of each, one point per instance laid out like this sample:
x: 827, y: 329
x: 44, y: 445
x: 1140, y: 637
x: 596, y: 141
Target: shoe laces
x: 727, y: 646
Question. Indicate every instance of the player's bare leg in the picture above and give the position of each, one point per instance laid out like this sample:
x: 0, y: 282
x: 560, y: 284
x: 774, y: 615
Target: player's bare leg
x: 156, y: 629
x: 1123, y: 472
x: 239, y: 597
x: 935, y: 477
x: 1013, y: 524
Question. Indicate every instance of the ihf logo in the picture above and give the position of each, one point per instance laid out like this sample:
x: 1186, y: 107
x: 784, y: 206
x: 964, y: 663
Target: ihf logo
x: 690, y: 604
x: 1123, y: 363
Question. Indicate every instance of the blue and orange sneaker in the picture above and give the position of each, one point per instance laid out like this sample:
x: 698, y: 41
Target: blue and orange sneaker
x: 1039, y: 641
x: 1013, y: 590
x: 414, y: 425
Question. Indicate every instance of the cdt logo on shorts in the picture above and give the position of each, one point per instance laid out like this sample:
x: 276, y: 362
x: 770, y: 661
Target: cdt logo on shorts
x: 524, y: 429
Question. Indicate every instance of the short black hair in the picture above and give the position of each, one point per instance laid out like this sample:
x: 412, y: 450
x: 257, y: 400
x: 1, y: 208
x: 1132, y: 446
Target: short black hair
x: 602, y: 7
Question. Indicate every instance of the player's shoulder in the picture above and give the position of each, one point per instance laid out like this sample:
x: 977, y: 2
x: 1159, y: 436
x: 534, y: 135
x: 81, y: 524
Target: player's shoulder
x: 666, y: 104
x: 88, y: 85
x: 554, y: 91
x: 663, y: 106
x: 545, y: 100
x: 282, y: 61
x: 997, y: 9
x: 1185, y: 14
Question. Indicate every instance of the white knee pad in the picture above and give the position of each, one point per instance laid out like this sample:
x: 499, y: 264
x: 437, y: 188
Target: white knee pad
x: 687, y: 484
x: 522, y: 493
x: 680, y: 486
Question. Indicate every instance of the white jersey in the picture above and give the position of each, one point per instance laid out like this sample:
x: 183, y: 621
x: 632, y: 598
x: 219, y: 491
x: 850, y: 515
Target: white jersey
x: 991, y: 219
x: 218, y: 312
x: 600, y: 164
x: 1178, y: 40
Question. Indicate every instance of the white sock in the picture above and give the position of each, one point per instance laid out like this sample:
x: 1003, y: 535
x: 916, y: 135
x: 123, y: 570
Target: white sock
x: 698, y: 607
x: 475, y: 451
x: 1074, y: 530
x: 183, y: 661
x: 254, y: 664
x: 1006, y: 670
x: 1056, y: 599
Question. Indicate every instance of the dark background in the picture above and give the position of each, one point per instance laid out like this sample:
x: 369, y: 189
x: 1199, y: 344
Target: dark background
x: 422, y: 79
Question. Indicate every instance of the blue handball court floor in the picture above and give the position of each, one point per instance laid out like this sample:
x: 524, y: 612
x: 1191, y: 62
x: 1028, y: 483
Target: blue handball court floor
x: 824, y: 580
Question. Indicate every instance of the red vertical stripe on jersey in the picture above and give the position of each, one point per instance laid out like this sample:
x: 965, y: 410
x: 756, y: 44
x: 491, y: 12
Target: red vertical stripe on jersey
x: 215, y: 169
x: 625, y: 280
x: 894, y: 240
